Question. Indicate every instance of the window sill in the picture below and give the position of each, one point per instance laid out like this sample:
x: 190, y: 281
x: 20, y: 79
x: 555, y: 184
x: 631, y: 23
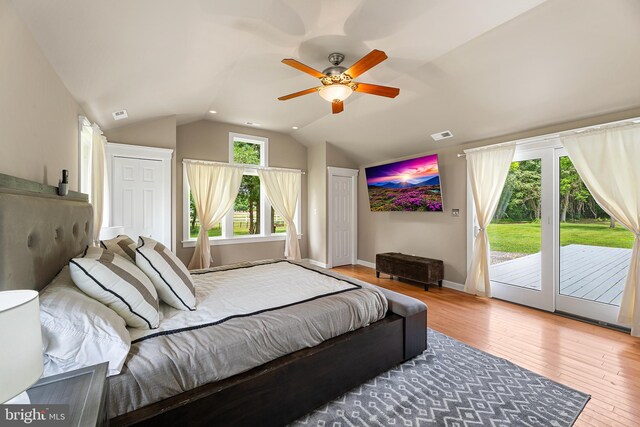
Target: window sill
x: 217, y: 241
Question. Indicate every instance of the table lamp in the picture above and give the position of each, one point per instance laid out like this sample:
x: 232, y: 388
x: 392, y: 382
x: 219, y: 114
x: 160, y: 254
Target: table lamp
x: 21, y: 361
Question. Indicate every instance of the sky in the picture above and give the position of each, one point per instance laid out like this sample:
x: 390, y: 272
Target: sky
x: 404, y: 170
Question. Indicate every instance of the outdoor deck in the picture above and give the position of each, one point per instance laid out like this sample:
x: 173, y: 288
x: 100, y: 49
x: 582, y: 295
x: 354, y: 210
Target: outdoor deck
x: 594, y: 273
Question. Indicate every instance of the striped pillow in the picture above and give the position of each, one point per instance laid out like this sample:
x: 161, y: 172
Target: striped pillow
x: 121, y: 245
x: 168, y: 274
x: 118, y: 284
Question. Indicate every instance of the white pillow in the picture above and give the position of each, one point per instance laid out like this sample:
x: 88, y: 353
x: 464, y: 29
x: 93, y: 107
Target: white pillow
x: 119, y: 284
x: 78, y: 331
x: 168, y: 274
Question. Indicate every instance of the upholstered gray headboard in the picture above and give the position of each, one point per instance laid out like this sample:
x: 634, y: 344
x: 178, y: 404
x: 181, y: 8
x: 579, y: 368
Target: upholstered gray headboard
x: 39, y: 232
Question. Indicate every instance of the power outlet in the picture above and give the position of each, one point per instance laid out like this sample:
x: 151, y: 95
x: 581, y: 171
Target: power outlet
x: 455, y: 212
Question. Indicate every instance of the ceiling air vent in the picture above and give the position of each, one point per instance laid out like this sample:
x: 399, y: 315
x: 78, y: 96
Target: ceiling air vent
x: 119, y: 115
x: 442, y: 135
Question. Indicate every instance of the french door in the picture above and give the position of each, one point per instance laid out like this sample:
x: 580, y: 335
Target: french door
x: 552, y: 246
x: 521, y: 233
x: 593, y: 256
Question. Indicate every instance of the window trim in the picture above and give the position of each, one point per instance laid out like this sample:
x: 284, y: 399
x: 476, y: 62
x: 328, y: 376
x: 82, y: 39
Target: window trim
x: 189, y: 242
x: 83, y: 123
x: 227, y: 237
x: 258, y: 140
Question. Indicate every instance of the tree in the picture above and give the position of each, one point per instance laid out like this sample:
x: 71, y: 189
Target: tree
x: 192, y: 211
x: 569, y: 182
x: 523, y: 184
x: 575, y: 196
x: 521, y: 197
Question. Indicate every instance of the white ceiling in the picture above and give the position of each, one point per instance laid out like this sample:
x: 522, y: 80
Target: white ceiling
x: 477, y: 68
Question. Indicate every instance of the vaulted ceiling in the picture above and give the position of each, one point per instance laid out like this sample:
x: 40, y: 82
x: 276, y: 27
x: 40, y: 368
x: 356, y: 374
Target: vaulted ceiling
x: 477, y: 68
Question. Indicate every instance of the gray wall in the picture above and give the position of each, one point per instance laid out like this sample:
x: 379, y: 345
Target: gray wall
x: 319, y: 157
x: 317, y: 185
x: 440, y: 235
x: 207, y: 140
x: 339, y: 158
x: 38, y: 115
x: 159, y: 132
x: 431, y: 234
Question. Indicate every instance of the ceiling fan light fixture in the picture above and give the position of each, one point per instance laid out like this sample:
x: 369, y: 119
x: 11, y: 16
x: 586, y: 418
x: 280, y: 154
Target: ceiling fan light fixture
x: 335, y: 92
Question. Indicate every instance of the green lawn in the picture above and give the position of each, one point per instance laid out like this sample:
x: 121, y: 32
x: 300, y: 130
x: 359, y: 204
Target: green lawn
x: 525, y: 237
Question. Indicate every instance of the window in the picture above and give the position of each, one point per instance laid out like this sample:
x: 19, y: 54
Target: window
x: 86, y: 142
x: 252, y: 217
x: 248, y: 207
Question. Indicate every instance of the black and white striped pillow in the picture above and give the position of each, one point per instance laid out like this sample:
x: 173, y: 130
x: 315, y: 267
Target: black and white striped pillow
x: 122, y: 245
x: 119, y: 284
x: 168, y: 274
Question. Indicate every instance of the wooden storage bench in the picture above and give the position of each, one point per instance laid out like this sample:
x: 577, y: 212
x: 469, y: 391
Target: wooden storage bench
x: 419, y: 269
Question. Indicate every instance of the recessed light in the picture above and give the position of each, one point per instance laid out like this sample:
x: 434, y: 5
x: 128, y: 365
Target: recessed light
x: 294, y: 127
x: 252, y: 123
x: 213, y: 111
x: 119, y: 115
x: 442, y: 135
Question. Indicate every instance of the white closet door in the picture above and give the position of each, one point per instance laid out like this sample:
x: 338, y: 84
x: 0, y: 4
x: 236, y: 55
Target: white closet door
x: 138, y: 197
x: 342, y: 225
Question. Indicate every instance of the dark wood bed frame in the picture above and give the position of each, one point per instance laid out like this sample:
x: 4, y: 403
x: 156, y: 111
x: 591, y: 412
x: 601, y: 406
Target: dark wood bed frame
x: 287, y: 388
x: 41, y: 232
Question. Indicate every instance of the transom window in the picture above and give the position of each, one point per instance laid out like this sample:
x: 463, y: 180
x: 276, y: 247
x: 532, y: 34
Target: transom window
x: 252, y: 217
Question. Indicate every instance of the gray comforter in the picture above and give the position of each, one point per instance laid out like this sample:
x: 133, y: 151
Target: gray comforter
x: 173, y: 361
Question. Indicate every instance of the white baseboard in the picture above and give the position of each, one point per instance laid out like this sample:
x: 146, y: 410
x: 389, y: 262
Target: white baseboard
x: 452, y: 285
x: 316, y: 263
x: 367, y: 263
x: 445, y: 283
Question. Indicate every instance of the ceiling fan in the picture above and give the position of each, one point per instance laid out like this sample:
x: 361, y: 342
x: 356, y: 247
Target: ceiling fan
x: 337, y: 81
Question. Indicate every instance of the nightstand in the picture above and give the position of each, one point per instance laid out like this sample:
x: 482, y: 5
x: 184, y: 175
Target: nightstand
x: 85, y: 390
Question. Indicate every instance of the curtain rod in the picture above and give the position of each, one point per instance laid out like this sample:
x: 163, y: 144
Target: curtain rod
x: 552, y: 136
x: 208, y: 162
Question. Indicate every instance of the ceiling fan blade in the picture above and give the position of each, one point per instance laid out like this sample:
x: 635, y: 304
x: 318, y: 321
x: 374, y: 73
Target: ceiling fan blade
x: 389, y: 92
x: 337, y: 107
x: 297, y: 94
x: 370, y: 60
x: 304, y: 68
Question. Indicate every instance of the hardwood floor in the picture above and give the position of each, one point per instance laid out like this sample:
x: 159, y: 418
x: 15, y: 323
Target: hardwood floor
x: 595, y: 360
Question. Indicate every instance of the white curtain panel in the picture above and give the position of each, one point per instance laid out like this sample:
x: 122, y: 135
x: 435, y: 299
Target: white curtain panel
x: 282, y: 188
x: 609, y: 164
x: 214, y: 188
x: 98, y: 180
x: 487, y: 169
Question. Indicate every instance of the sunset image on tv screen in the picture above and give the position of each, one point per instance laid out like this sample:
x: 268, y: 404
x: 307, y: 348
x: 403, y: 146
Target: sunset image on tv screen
x: 408, y: 185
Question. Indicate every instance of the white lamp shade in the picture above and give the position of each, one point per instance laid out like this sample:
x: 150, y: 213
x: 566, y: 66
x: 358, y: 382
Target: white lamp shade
x: 336, y: 92
x: 21, y: 361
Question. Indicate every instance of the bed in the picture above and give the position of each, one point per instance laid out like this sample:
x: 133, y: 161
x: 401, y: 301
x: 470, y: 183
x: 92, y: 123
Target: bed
x: 282, y: 382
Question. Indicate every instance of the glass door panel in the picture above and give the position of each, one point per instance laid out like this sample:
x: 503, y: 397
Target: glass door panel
x: 518, y: 232
x: 515, y: 231
x: 594, y: 252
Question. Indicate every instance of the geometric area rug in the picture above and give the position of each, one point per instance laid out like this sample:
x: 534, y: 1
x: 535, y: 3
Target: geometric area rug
x: 455, y: 385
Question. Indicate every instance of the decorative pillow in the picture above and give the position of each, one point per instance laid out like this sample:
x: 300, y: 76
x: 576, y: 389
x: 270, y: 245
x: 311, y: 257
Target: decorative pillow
x: 121, y: 245
x: 119, y: 284
x: 77, y: 330
x: 168, y: 274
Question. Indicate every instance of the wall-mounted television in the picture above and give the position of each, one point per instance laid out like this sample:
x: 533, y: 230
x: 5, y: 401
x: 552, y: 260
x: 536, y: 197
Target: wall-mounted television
x: 407, y: 185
